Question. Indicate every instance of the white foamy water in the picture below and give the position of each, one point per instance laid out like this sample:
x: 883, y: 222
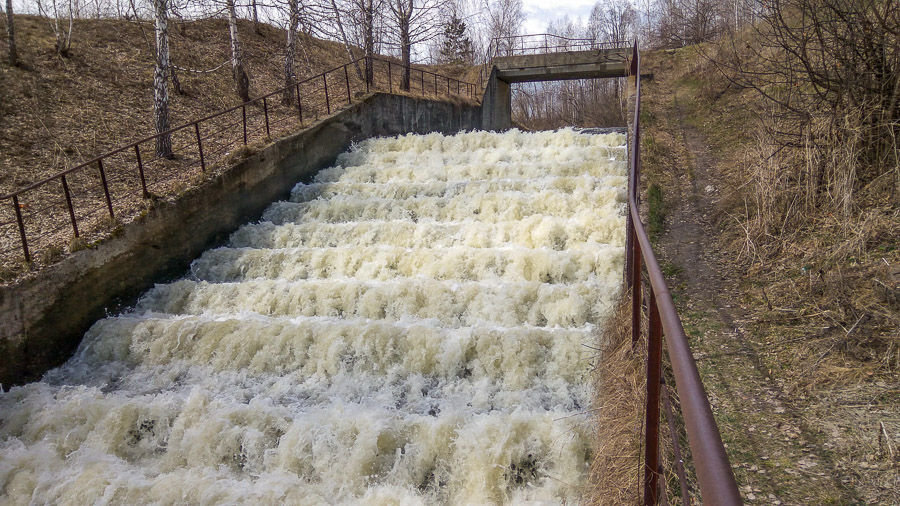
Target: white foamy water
x: 415, y: 326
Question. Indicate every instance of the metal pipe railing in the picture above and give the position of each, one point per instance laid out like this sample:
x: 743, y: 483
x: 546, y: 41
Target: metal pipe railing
x: 716, y: 480
x: 143, y: 164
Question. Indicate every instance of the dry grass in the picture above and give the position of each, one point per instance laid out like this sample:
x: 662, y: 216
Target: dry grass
x: 815, y: 294
x: 616, y: 471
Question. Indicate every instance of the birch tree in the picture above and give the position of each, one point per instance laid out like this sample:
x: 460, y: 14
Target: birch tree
x: 11, y: 34
x: 365, y: 14
x: 338, y: 15
x: 241, y: 79
x: 63, y: 33
x: 290, y: 50
x: 160, y: 79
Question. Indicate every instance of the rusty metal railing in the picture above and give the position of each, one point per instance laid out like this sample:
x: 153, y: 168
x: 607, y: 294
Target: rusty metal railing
x: 713, y: 470
x: 92, y: 197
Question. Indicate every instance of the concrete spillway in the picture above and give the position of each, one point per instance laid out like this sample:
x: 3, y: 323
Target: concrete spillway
x: 409, y: 328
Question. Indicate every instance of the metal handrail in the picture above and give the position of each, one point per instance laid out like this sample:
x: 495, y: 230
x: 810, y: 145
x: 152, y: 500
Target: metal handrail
x: 193, y: 128
x: 716, y: 480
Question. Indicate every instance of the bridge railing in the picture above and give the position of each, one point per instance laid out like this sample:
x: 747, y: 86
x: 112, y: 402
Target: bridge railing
x: 713, y: 470
x: 64, y: 212
x: 541, y: 43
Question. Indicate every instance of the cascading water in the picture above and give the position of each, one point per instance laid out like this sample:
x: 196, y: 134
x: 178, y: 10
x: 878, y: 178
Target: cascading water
x: 410, y: 328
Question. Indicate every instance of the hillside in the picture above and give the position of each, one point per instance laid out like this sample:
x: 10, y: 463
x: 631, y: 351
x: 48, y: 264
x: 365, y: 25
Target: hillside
x: 56, y: 112
x: 795, y: 332
x: 59, y: 111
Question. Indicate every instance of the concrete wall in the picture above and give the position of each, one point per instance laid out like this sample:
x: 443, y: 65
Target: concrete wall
x: 43, y: 317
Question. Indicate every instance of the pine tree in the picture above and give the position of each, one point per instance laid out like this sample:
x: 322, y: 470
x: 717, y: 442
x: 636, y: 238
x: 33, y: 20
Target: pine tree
x: 456, y: 47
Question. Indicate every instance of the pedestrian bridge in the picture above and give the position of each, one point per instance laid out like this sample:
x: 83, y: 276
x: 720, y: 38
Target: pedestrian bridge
x: 544, y: 57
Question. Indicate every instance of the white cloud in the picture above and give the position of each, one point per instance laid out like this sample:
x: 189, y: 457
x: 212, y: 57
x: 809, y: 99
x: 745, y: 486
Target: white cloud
x: 541, y: 12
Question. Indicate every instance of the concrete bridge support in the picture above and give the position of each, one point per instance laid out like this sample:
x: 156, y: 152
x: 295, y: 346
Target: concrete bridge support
x: 496, y: 106
x: 497, y: 102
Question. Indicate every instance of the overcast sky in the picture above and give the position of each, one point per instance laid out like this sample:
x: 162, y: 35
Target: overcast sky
x: 541, y: 12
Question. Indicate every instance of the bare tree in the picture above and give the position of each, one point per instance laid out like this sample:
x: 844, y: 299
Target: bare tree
x: 62, y: 32
x: 684, y: 22
x: 613, y: 21
x: 416, y: 21
x: 338, y: 14
x: 829, y: 74
x: 241, y: 79
x: 11, y: 34
x: 505, y: 18
x: 254, y: 13
x: 402, y: 10
x: 365, y: 16
x: 160, y: 79
x: 290, y: 48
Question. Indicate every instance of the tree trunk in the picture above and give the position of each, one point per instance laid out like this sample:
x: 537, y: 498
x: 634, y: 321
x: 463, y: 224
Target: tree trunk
x: 160, y: 80
x: 289, y: 76
x: 11, y: 34
x: 369, y: 42
x: 405, y: 50
x: 241, y: 80
x: 176, y: 83
x: 255, y: 18
x: 346, y: 41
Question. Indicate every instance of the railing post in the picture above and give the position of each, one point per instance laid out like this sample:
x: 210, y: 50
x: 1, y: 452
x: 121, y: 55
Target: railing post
x: 422, y: 77
x: 347, y: 80
x: 635, y: 289
x: 654, y: 373
x: 676, y: 446
x: 105, y: 188
x: 200, y: 146
x: 390, y: 79
x: 327, y: 103
x: 299, y: 106
x: 435, y: 85
x: 137, y: 153
x: 244, y: 120
x: 266, y: 114
x: 15, y: 201
x: 65, y: 186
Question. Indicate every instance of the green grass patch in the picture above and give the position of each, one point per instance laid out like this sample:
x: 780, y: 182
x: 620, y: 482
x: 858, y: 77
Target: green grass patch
x: 656, y: 214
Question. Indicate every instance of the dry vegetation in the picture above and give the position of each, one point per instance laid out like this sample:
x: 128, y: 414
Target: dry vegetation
x: 57, y: 112
x: 797, y: 337
x: 618, y: 406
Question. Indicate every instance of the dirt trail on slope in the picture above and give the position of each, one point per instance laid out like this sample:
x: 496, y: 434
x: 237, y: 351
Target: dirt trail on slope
x: 778, y: 456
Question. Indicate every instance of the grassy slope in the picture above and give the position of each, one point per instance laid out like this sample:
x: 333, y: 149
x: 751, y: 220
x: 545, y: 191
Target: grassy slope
x: 56, y: 112
x: 59, y: 111
x: 800, y: 393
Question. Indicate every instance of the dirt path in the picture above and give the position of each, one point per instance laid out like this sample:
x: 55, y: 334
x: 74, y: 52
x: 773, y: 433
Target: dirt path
x: 779, y: 458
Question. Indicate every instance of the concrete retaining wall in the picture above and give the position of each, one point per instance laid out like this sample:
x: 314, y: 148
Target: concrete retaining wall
x: 43, y: 317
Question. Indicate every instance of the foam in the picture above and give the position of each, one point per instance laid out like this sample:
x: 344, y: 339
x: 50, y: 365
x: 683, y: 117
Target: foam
x: 416, y: 326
